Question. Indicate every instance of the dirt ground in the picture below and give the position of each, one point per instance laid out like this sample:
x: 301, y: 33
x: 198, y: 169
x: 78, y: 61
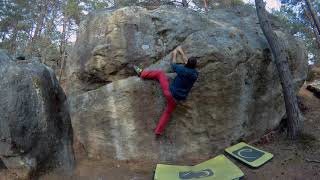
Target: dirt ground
x: 298, y: 159
x: 293, y: 160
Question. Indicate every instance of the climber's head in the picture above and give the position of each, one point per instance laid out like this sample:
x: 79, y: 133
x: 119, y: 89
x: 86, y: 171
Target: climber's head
x: 21, y: 57
x: 192, y: 62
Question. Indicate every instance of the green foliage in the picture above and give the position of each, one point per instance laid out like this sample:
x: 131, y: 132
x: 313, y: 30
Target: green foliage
x: 99, y: 5
x: 237, y: 2
x: 20, y: 20
x: 121, y: 3
x: 292, y: 16
x: 72, y: 10
x: 225, y: 3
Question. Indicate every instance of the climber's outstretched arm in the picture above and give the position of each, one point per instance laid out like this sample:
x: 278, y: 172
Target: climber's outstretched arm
x: 184, y: 57
x: 174, y: 56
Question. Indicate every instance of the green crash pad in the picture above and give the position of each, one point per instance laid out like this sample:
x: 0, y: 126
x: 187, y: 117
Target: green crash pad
x: 218, y: 168
x: 250, y: 155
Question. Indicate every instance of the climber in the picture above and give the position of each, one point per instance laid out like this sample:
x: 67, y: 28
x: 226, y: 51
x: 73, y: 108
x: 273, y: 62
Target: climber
x: 180, y: 87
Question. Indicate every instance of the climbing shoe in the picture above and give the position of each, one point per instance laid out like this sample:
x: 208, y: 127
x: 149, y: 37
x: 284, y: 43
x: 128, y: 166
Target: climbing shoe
x: 137, y: 69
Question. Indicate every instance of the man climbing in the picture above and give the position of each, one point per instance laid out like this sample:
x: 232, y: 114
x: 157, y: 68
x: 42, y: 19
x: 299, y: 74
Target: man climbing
x: 180, y: 87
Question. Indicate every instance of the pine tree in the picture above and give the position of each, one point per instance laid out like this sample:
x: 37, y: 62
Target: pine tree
x: 294, y: 117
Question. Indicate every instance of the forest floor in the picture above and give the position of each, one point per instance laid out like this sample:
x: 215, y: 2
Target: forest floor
x: 299, y: 159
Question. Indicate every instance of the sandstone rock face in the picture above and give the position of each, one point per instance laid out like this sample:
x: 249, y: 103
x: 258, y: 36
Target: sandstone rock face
x: 237, y: 96
x: 35, y: 125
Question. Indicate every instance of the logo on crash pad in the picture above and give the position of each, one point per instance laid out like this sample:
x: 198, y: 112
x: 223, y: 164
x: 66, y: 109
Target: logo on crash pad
x: 247, y: 153
x: 196, y: 174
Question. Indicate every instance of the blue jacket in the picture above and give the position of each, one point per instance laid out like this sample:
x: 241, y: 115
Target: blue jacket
x: 182, y: 84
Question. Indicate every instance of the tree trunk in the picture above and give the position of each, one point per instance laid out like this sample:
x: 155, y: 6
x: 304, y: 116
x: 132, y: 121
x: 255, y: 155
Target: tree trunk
x: 47, y: 34
x: 63, y: 35
x: 63, y: 43
x: 294, y: 118
x: 13, y: 40
x: 3, y: 37
x: 38, y: 29
x: 314, y: 15
x: 39, y: 26
x: 184, y: 3
x: 315, y: 31
x: 62, y: 66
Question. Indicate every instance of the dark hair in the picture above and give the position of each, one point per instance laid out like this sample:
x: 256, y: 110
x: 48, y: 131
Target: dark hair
x: 21, y: 58
x: 192, y: 62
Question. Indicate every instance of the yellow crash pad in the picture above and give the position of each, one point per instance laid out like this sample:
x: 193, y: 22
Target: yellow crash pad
x: 250, y: 155
x: 218, y: 168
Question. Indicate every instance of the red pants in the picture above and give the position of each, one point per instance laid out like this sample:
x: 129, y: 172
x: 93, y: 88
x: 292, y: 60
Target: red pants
x: 171, y: 103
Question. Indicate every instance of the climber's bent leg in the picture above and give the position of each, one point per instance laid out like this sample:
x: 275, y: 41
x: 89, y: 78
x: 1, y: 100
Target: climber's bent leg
x: 152, y: 74
x: 163, y: 80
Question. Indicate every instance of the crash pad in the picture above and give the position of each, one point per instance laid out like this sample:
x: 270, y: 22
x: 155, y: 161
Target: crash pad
x: 218, y: 168
x: 250, y: 155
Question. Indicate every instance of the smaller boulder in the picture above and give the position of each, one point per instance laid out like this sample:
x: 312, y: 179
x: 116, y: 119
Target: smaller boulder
x: 314, y: 87
x: 35, y: 126
x: 313, y: 73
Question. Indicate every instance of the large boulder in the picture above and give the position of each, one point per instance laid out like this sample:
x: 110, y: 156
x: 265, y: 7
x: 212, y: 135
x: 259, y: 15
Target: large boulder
x: 35, y: 125
x: 237, y: 96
